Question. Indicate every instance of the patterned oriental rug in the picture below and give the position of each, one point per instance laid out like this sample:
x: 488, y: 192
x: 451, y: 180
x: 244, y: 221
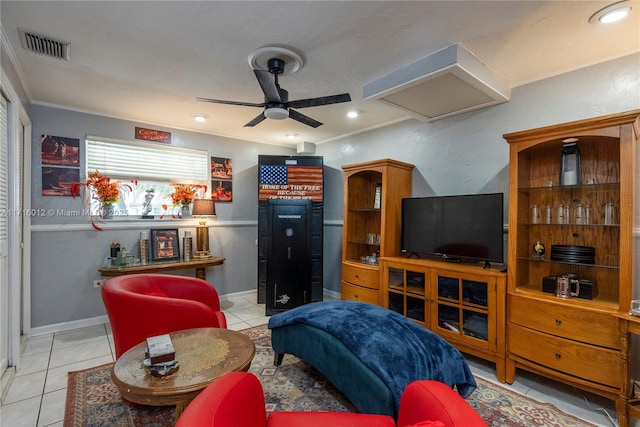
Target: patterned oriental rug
x: 93, y: 400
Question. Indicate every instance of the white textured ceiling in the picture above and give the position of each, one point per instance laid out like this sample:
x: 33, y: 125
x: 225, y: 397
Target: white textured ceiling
x: 147, y: 60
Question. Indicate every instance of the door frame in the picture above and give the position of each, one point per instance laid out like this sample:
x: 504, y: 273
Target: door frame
x: 19, y: 260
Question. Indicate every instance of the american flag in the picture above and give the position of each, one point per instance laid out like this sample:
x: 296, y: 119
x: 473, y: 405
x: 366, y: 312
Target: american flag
x: 273, y: 175
x: 286, y: 176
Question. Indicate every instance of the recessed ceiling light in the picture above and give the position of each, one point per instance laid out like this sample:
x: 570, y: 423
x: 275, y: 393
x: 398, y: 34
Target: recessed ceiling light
x: 200, y: 117
x: 612, y: 13
x: 352, y: 114
x: 292, y: 135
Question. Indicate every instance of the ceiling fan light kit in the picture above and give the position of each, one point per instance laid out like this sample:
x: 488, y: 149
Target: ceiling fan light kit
x: 276, y: 113
x: 268, y: 63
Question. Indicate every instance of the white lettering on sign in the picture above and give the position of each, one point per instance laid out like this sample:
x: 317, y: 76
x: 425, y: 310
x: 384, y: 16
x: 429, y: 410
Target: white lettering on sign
x: 290, y: 216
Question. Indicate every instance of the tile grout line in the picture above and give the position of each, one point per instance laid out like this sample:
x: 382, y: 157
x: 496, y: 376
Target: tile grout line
x: 46, y: 375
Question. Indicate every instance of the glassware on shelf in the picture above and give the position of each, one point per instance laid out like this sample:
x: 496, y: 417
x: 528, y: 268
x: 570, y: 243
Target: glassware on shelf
x: 535, y: 214
x: 560, y: 210
x: 548, y: 215
x: 373, y: 238
x: 578, y: 214
x: 586, y: 219
x: 609, y: 214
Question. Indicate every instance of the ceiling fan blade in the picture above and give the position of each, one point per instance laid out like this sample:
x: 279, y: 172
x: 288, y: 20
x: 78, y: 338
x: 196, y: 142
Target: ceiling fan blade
x: 256, y: 120
x: 323, y: 100
x: 293, y: 114
x: 220, y: 101
x: 268, y: 85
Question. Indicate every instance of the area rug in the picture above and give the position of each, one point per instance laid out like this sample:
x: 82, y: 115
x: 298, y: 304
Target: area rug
x: 93, y: 400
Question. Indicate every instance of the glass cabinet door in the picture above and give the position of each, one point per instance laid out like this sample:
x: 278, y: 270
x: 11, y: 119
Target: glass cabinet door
x: 462, y: 307
x: 406, y: 293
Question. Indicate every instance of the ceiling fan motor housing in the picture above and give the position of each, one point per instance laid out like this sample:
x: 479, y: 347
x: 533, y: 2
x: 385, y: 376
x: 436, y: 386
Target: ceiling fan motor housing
x: 276, y: 66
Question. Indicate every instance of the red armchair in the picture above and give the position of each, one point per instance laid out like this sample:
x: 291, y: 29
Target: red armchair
x: 144, y: 305
x: 236, y: 400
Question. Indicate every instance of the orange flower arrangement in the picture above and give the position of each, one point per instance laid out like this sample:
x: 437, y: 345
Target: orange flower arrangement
x: 183, y: 194
x: 104, y: 191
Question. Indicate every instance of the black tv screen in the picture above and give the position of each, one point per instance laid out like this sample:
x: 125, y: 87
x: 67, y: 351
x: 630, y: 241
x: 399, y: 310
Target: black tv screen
x: 458, y: 228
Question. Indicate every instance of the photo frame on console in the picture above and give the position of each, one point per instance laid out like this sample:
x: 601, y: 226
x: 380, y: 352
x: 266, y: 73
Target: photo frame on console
x: 165, y: 245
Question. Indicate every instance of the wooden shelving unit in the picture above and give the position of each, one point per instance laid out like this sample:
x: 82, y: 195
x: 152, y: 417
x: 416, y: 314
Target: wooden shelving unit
x: 373, y: 196
x: 578, y: 341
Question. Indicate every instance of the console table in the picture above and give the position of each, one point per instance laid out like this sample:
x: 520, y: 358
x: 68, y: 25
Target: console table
x: 200, y: 266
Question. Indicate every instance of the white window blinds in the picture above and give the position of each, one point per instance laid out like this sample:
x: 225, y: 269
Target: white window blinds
x: 144, y: 161
x: 4, y: 183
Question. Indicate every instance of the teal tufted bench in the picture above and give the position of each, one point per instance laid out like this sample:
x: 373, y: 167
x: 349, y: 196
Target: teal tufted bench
x: 367, y: 352
x: 327, y: 354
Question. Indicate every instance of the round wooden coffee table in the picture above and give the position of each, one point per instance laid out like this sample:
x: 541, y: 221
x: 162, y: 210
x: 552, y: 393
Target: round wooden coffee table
x: 204, y: 354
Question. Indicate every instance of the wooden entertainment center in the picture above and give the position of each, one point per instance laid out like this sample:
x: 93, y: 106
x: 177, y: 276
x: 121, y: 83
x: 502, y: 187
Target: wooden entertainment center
x: 584, y: 340
x: 435, y: 294
x: 463, y: 303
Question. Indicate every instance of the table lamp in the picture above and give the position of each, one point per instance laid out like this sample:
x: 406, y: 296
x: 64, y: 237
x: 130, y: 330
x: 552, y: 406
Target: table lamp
x: 203, y: 208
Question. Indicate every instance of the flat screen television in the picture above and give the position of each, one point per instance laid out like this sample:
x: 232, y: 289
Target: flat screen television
x: 456, y: 228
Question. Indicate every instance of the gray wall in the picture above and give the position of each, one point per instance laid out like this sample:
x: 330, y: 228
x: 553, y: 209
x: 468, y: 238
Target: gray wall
x: 466, y: 154
x: 458, y: 155
x: 67, y: 252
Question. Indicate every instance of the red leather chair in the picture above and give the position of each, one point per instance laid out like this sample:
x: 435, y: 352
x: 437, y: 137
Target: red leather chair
x: 144, y: 305
x: 236, y: 400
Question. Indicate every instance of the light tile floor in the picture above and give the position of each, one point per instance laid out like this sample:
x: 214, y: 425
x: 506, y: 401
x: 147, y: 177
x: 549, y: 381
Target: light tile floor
x: 36, y: 396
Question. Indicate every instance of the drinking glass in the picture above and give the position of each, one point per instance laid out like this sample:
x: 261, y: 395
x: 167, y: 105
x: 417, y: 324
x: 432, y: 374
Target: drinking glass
x: 535, y: 214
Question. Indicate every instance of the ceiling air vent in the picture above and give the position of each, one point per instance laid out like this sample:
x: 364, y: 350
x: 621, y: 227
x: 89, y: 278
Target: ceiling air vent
x: 43, y: 45
x: 448, y: 82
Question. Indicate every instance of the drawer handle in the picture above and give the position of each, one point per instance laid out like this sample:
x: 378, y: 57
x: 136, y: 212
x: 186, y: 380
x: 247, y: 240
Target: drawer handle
x: 558, y: 356
x: 558, y: 322
x: 356, y: 276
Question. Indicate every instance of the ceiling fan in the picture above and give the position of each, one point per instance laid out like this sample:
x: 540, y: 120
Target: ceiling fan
x: 276, y: 100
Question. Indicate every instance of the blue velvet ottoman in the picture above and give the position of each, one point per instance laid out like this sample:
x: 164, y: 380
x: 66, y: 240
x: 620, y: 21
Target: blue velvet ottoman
x: 369, y: 353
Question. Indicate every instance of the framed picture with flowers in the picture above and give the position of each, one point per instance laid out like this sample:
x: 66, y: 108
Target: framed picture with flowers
x: 165, y: 245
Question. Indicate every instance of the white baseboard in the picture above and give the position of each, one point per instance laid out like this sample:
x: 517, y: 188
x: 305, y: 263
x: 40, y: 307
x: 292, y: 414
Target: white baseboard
x: 67, y: 326
x: 100, y: 320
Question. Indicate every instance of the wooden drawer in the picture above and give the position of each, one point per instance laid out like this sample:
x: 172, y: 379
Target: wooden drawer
x: 358, y: 293
x: 591, y: 363
x: 367, y: 277
x: 564, y: 321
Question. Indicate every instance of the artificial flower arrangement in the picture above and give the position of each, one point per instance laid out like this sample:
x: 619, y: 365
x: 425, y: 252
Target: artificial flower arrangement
x: 182, y: 196
x: 103, y: 192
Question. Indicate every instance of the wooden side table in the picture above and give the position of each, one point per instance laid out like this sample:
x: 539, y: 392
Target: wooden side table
x: 204, y: 354
x: 200, y: 266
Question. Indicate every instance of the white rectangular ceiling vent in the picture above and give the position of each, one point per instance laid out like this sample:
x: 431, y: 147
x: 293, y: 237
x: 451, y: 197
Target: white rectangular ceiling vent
x: 448, y: 82
x: 44, y: 45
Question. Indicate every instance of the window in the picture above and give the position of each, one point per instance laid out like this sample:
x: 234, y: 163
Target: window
x: 149, y: 169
